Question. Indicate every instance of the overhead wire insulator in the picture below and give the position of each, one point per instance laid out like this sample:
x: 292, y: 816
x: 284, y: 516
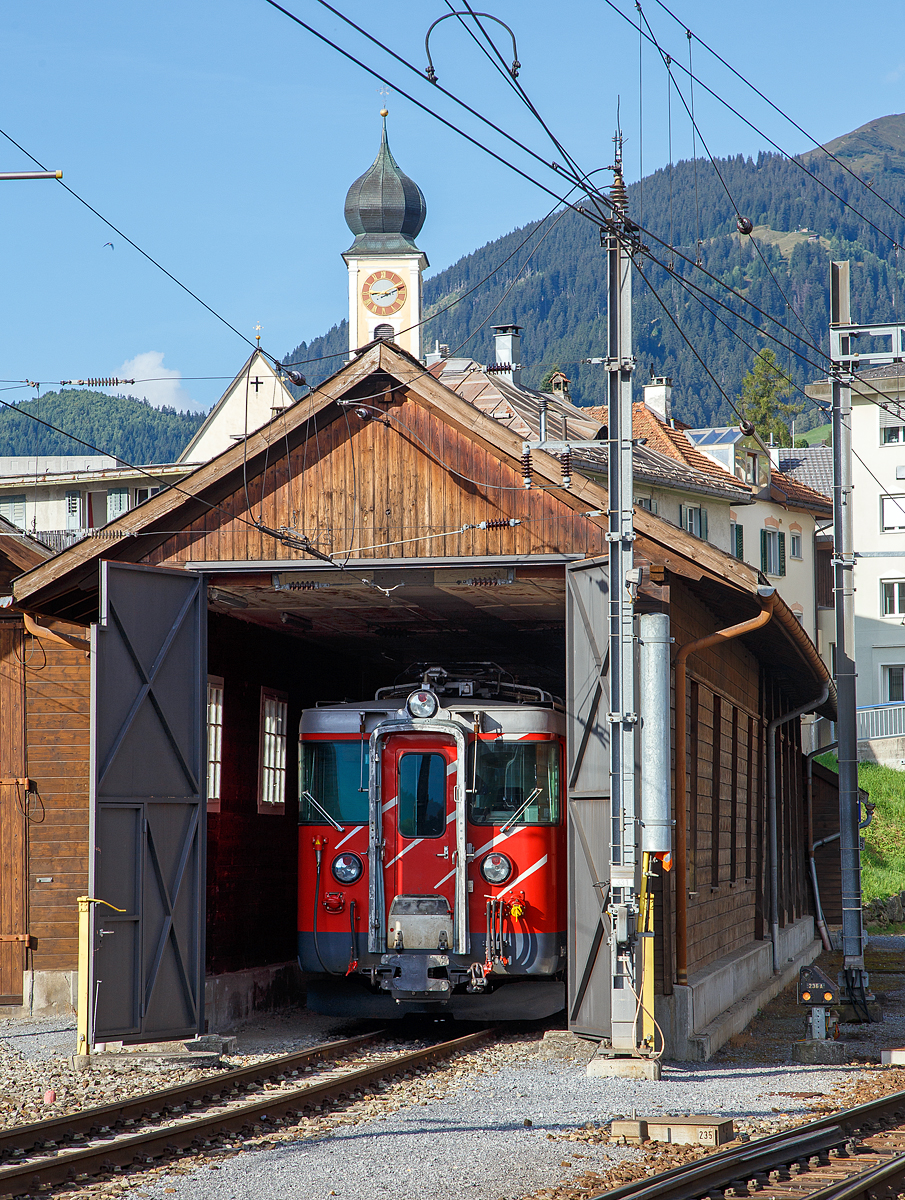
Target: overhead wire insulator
x: 526, y: 468
x: 500, y: 523
x: 566, y: 462
x: 744, y: 225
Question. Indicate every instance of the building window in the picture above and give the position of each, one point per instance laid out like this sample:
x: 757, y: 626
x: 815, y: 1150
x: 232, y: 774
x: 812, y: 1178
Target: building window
x: 895, y: 684
x: 892, y: 435
x: 272, y: 773
x: 892, y: 513
x: 772, y: 552
x: 384, y: 333
x: 145, y: 493
x: 736, y: 539
x: 214, y: 740
x: 12, y: 508
x: 694, y: 519
x: 647, y: 502
x: 893, y: 597
x: 795, y: 545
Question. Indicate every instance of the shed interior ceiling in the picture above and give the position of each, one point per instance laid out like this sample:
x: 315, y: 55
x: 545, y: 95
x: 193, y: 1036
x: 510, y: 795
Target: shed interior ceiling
x: 514, y: 616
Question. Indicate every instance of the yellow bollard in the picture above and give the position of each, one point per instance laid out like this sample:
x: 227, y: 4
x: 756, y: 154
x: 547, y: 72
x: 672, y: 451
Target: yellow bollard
x: 83, y: 1019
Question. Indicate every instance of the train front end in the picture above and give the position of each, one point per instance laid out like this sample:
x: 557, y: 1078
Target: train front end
x: 431, y: 851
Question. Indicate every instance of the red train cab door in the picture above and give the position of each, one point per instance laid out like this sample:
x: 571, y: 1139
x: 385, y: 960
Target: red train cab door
x: 421, y: 860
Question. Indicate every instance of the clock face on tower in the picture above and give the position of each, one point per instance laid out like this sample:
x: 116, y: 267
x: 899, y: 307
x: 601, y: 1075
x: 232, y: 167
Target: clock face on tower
x: 383, y: 293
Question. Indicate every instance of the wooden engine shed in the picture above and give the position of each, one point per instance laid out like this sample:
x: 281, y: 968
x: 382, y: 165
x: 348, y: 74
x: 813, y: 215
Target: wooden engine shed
x: 427, y: 548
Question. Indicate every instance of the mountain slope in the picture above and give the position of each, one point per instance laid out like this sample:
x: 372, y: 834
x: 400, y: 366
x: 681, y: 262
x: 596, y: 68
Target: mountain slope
x: 558, y: 280
x: 120, y: 425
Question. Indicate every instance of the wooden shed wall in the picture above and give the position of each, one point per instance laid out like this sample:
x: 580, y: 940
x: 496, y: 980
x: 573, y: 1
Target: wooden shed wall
x: 13, y: 858
x: 367, y: 485
x: 57, y: 691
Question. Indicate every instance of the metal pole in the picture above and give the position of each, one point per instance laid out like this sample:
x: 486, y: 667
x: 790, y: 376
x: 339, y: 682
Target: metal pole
x: 844, y: 564
x: 623, y: 718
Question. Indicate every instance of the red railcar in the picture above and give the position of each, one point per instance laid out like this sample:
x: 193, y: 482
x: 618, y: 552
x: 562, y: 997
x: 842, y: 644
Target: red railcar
x: 432, y: 860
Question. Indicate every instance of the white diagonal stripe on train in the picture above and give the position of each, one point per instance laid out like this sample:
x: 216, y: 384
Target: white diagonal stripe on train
x: 451, y: 768
x: 494, y: 841
x: 410, y: 846
x: 357, y: 829
x: 389, y: 804
x: 524, y: 875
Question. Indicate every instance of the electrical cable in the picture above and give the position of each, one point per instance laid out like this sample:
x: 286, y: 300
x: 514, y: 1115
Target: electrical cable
x: 694, y: 148
x: 135, y: 246
x: 789, y: 157
x: 593, y: 197
x: 696, y: 129
x: 838, y: 161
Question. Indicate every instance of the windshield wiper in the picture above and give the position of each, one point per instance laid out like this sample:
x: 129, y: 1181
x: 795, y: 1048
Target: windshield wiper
x: 320, y: 808
x: 515, y: 816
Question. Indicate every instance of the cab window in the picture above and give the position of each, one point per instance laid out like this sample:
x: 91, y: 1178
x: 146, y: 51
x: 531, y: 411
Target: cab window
x: 517, y: 780
x: 333, y: 775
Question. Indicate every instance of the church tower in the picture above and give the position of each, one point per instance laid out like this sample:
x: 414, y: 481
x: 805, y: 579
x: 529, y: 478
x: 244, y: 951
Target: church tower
x: 385, y: 210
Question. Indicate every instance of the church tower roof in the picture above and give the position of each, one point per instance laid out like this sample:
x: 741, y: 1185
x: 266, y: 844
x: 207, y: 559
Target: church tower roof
x: 384, y: 208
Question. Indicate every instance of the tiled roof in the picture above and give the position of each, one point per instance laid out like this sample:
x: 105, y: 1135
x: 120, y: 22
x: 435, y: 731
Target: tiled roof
x: 519, y: 409
x: 810, y: 465
x: 785, y: 489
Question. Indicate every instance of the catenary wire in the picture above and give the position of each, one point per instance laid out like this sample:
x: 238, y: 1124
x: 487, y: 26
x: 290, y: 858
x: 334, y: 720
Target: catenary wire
x: 790, y: 157
x: 499, y: 158
x: 135, y: 246
x: 825, y: 149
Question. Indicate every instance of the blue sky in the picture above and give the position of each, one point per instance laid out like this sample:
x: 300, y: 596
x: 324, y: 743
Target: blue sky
x: 222, y: 138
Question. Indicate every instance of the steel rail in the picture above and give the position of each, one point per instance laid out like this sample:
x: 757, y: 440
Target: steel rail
x: 136, y: 1108
x: 144, y: 1146
x: 692, y: 1180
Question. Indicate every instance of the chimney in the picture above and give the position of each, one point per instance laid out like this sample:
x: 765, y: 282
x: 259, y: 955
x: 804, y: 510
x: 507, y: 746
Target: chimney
x: 508, y: 352
x: 436, y: 355
x: 658, y: 396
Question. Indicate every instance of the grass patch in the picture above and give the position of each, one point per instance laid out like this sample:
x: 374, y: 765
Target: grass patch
x: 883, y: 857
x: 815, y: 437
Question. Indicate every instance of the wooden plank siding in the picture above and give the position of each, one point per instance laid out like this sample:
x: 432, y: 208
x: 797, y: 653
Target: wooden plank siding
x: 57, y: 714
x: 13, y: 811
x: 364, y: 485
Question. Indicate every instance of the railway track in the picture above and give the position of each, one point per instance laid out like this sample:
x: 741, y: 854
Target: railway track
x: 855, y: 1154
x: 168, y: 1122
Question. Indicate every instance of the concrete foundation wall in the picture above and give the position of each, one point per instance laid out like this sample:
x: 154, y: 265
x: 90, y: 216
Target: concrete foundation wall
x: 720, y: 1000
x: 888, y: 752
x: 229, y: 999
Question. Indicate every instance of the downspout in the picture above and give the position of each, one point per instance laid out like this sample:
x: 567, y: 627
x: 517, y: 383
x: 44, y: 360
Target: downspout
x: 812, y: 846
x: 771, y: 811
x: 767, y: 597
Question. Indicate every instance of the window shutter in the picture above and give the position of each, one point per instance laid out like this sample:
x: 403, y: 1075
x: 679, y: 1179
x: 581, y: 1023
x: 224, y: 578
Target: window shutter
x: 117, y: 502
x: 13, y: 509
x: 781, y: 546
x: 739, y: 542
x: 73, y: 510
x: 704, y: 524
x: 763, y: 550
x: 682, y: 520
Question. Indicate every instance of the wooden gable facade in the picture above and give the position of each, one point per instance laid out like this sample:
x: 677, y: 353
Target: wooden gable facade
x: 384, y: 520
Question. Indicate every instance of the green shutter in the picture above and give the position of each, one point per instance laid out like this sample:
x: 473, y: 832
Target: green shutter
x: 117, y: 502
x: 781, y: 540
x: 739, y: 541
x: 704, y: 524
x: 763, y: 550
x: 682, y: 516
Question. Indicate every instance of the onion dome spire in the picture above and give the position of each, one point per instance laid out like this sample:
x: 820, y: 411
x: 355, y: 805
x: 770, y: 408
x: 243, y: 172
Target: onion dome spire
x: 384, y: 208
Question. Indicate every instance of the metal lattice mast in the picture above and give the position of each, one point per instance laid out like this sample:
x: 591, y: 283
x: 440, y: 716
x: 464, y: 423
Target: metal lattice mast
x: 623, y: 715
x: 844, y: 569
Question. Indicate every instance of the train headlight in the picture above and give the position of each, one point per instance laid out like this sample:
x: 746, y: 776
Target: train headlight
x: 496, y: 868
x: 347, y: 868
x: 422, y: 704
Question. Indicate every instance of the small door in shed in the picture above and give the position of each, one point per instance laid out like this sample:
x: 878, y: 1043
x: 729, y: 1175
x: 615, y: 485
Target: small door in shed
x: 587, y: 746
x: 148, y: 693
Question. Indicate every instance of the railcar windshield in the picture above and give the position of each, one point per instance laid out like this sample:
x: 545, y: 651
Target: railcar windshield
x: 333, y: 773
x: 513, y: 781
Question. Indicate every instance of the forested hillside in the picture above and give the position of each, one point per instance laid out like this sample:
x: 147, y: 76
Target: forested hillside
x: 559, y: 293
x: 121, y: 425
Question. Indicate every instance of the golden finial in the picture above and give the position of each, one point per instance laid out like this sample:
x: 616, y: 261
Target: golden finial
x: 258, y: 334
